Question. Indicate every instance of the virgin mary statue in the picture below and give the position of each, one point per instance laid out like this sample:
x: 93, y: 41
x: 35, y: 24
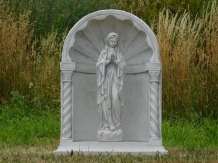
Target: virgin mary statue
x: 110, y: 74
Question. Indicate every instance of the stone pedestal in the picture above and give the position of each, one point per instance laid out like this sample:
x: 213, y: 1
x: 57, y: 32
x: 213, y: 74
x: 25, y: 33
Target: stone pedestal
x: 135, y: 148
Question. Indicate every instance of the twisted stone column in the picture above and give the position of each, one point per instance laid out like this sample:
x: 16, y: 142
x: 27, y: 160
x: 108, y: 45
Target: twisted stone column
x: 67, y: 104
x: 154, y: 104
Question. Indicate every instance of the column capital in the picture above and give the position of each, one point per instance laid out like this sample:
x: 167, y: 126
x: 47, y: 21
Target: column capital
x: 67, y: 75
x: 154, y: 76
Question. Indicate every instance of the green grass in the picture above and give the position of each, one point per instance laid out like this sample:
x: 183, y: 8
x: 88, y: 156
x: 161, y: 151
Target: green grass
x: 29, y: 129
x: 22, y: 124
x: 190, y: 135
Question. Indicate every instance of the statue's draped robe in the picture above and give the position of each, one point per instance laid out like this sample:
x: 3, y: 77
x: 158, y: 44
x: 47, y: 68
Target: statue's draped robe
x: 110, y: 89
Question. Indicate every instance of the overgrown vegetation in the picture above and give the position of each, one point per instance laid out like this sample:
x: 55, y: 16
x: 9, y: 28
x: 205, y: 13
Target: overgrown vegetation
x: 60, y: 15
x: 189, y: 55
x: 32, y: 35
x: 27, y: 64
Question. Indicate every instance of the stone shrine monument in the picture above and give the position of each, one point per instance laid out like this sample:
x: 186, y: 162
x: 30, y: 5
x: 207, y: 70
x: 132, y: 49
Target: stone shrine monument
x: 111, y: 86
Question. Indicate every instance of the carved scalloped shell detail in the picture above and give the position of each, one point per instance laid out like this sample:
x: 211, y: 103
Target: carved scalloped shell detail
x: 91, y: 40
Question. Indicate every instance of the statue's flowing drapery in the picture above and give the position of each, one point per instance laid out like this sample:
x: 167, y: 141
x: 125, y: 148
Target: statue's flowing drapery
x: 110, y: 88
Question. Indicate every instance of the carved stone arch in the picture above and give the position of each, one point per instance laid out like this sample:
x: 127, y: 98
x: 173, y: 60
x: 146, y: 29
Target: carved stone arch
x: 120, y: 15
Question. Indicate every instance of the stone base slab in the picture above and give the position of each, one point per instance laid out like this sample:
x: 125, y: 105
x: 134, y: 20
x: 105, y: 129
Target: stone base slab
x: 94, y: 147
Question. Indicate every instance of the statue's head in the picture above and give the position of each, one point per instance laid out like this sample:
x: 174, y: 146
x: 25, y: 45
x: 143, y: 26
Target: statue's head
x: 112, y: 39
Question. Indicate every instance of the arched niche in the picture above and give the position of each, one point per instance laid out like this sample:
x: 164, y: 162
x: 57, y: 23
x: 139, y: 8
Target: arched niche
x: 90, y: 32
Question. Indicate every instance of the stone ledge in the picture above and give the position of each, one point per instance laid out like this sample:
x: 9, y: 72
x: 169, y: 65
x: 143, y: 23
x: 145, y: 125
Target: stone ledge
x: 94, y: 147
x: 67, y: 66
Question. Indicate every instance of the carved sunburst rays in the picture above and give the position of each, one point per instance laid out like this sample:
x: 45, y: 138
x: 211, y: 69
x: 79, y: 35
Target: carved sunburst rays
x: 138, y: 51
x: 90, y: 41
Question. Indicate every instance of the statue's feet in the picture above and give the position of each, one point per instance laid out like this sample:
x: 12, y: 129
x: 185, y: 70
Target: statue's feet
x: 108, y: 135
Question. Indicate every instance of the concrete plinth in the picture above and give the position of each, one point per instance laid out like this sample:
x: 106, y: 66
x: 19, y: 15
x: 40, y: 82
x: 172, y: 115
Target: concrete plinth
x: 94, y: 147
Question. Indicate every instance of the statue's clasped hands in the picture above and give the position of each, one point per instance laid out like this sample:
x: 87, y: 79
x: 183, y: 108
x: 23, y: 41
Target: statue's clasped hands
x: 111, y: 60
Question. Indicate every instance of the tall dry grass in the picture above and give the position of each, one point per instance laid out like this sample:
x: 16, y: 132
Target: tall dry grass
x: 27, y: 65
x: 15, y: 39
x: 190, y: 63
